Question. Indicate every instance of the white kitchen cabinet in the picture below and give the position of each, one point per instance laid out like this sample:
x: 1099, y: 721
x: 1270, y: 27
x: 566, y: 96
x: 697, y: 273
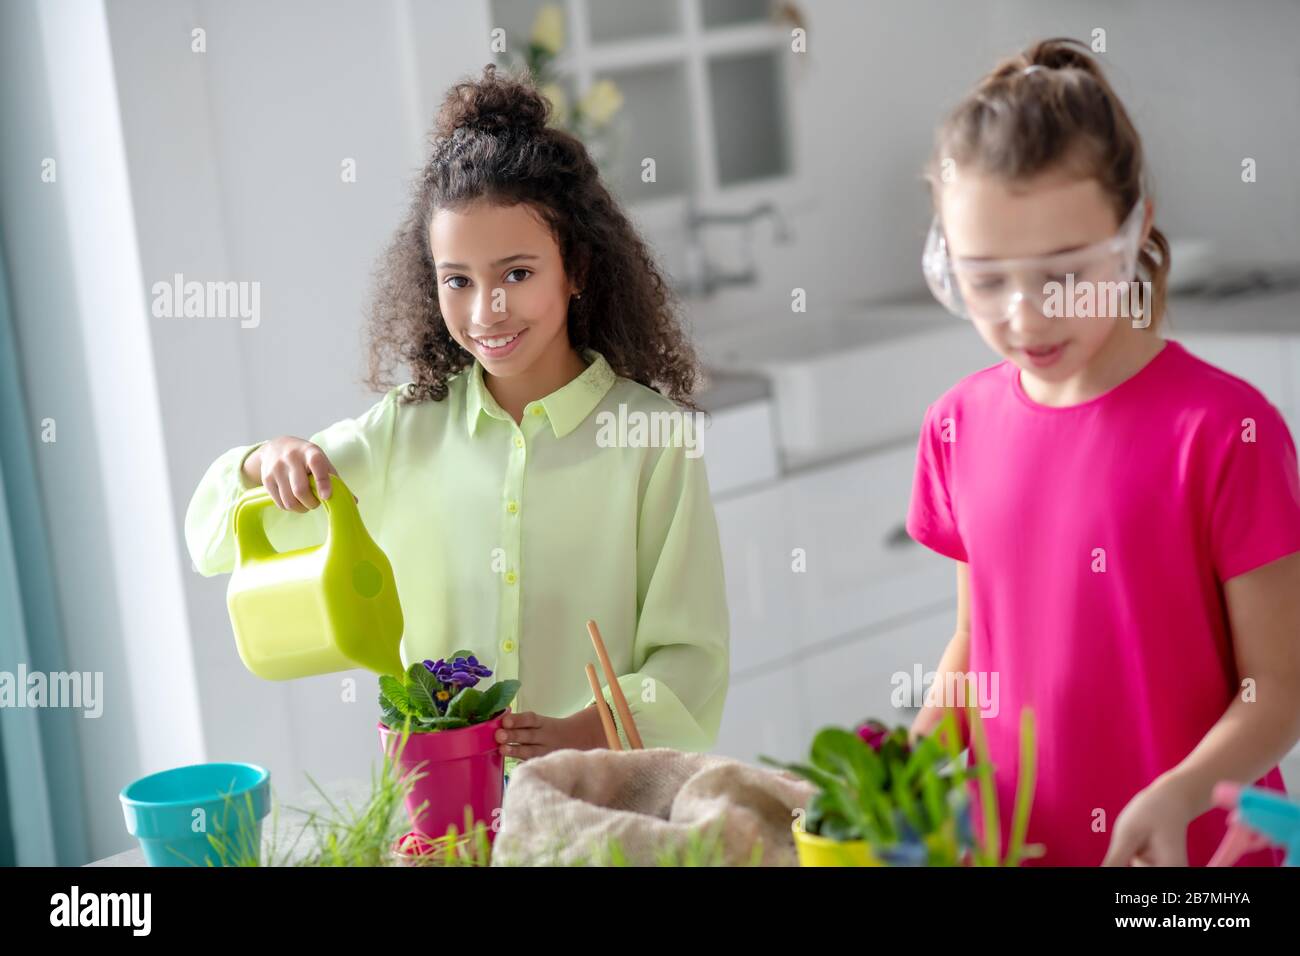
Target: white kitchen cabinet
x: 824, y: 553
x: 764, y: 714
x: 862, y: 568
x: 851, y: 680
x: 739, y: 448
x: 763, y: 597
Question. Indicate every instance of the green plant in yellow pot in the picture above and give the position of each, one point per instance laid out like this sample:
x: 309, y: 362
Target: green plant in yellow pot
x: 882, y: 801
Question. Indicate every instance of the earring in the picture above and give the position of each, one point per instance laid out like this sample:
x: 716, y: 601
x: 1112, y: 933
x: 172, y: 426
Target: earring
x: 577, y: 295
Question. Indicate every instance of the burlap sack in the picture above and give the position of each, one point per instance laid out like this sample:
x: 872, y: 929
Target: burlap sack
x: 564, y: 808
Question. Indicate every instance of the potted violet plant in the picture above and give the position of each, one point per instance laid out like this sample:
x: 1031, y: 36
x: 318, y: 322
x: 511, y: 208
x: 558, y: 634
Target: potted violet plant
x: 439, y: 729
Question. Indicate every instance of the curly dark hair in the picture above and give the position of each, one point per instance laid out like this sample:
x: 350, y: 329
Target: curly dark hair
x: 491, y: 142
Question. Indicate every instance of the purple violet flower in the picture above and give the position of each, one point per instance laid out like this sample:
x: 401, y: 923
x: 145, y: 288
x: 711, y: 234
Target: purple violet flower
x: 460, y: 672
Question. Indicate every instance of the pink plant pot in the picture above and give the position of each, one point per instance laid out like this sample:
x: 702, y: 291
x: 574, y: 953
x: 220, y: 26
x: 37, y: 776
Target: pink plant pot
x: 455, y: 769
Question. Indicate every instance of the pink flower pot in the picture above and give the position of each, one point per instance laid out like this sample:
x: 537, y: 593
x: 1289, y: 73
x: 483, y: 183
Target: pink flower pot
x: 459, y: 768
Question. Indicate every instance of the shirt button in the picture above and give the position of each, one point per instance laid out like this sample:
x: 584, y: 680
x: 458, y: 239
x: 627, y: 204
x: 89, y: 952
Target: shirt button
x: 513, y: 507
x: 511, y: 577
x: 519, y: 442
x: 508, y: 647
x: 538, y: 410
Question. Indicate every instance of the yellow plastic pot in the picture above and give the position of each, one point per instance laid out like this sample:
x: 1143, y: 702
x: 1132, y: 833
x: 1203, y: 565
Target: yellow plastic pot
x: 817, y: 850
x: 315, y: 610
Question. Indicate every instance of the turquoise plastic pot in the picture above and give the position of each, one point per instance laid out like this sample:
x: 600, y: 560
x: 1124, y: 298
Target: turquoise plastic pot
x: 173, y: 814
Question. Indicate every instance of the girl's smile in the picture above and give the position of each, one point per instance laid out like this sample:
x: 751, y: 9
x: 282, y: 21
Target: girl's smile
x: 496, y: 345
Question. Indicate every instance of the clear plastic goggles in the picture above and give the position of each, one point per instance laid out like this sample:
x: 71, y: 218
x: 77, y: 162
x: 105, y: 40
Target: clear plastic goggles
x: 991, y: 290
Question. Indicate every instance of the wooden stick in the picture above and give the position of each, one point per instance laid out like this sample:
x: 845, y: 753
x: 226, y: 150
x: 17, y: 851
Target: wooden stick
x: 615, y: 691
x: 606, y: 719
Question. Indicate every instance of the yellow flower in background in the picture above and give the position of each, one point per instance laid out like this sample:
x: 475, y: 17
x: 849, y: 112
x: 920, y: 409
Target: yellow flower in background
x: 559, y: 102
x: 602, y: 101
x: 548, y: 29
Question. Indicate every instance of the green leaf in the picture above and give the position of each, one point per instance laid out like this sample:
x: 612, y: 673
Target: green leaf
x: 867, y: 767
x: 893, y: 749
x: 466, y: 704
x: 926, y: 754
x: 837, y: 828
x: 422, y: 699
x: 423, y: 688
x: 901, y: 792
x: 417, y: 672
x: 391, y: 716
x: 443, y: 723
x: 844, y: 753
x: 849, y: 804
x: 884, y: 817
x: 395, y: 692
x: 461, y: 653
x: 1024, y: 788
x: 812, y: 774
x: 948, y: 734
x: 818, y: 814
x: 991, y: 851
x: 932, y: 793
x: 498, y: 697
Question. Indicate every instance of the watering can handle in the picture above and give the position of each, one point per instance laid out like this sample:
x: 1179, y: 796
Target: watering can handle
x: 253, y: 545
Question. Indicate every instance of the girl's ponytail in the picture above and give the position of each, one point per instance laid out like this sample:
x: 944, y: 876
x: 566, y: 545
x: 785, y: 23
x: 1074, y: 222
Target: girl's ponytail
x: 491, y: 105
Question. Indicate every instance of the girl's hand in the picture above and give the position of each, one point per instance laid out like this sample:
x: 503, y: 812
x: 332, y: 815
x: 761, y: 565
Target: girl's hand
x: 1152, y: 829
x: 526, y: 735
x: 283, y: 466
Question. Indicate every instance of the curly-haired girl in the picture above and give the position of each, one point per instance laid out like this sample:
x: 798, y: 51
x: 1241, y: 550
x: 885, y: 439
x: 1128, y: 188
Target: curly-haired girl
x: 530, y: 315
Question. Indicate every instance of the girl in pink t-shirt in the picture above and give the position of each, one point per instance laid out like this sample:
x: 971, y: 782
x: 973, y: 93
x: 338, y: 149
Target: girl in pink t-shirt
x: 1125, y: 517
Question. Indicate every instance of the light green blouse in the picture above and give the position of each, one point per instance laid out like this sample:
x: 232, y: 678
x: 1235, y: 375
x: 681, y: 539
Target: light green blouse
x: 505, y: 538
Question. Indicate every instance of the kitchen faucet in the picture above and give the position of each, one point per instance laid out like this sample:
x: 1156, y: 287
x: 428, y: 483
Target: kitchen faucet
x: 701, y: 277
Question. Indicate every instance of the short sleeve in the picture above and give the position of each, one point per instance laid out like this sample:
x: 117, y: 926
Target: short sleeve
x: 1255, y: 516
x: 930, y: 516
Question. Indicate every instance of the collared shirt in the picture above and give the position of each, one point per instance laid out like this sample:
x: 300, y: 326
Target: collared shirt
x: 506, y: 538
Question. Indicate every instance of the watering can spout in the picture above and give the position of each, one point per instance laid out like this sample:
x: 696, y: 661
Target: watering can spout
x: 317, y: 610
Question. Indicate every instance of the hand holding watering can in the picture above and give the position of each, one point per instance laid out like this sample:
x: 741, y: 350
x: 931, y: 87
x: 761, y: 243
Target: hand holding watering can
x: 313, y: 610
x: 285, y: 466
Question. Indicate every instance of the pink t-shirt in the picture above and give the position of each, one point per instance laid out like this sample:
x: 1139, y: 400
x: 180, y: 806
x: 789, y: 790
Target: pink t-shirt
x: 1098, y: 538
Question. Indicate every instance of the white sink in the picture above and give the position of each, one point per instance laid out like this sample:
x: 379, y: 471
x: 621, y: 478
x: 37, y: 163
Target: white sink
x: 855, y: 382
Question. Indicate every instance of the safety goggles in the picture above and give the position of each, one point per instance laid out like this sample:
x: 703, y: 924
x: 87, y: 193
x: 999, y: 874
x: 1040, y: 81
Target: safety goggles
x: 991, y: 290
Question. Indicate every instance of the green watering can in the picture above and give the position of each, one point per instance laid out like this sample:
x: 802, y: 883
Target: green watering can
x: 317, y: 610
